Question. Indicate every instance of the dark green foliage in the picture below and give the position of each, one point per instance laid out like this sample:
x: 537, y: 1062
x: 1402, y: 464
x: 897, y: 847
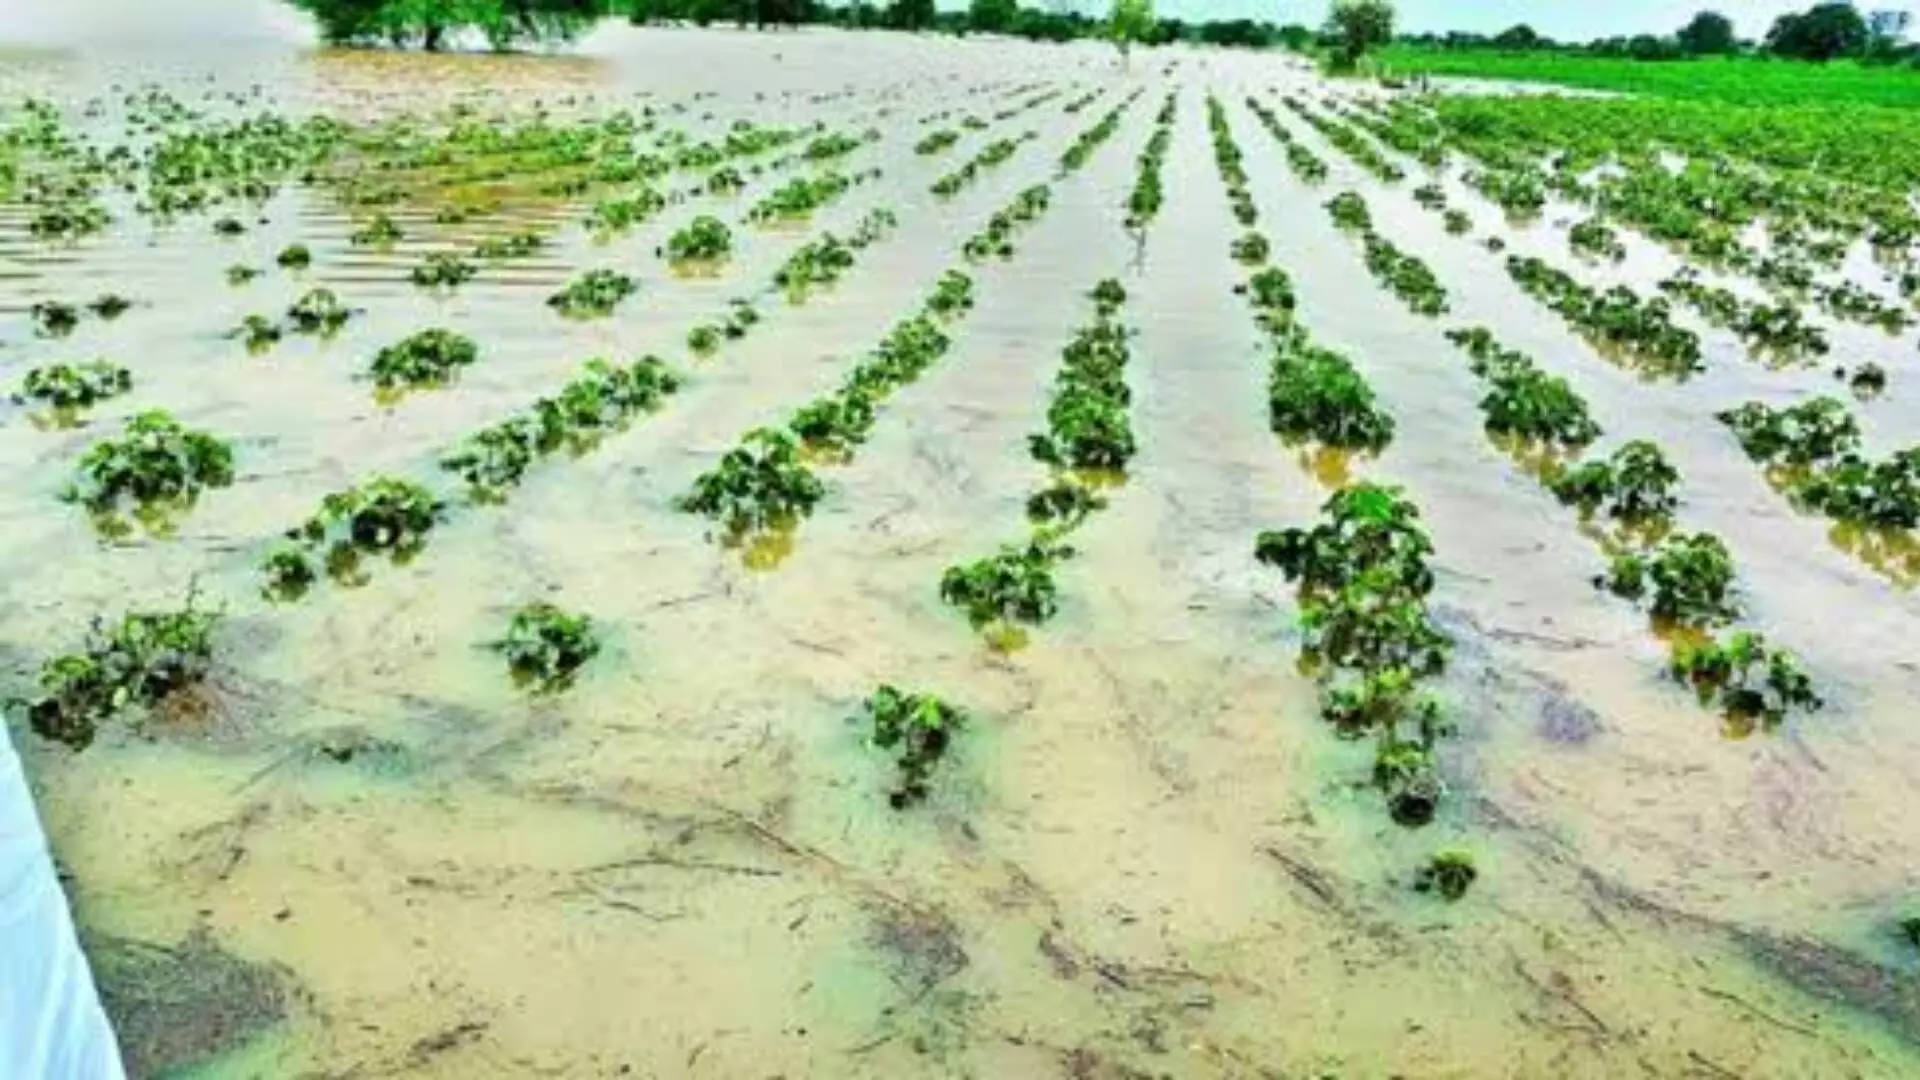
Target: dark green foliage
x: 512, y: 246
x: 919, y: 729
x: 759, y: 484
x: 75, y: 386
x: 1087, y: 424
x: 1691, y: 578
x: 258, y: 331
x: 616, y: 213
x: 705, y: 239
x: 1108, y: 296
x: 228, y: 226
x: 1635, y: 484
x: 295, y: 257
x: 319, y: 311
x: 800, y: 197
x: 545, y: 647
x: 602, y: 399
x: 382, y: 516
x: 1449, y: 873
x: 1531, y: 404
x: 1811, y: 432
x: 996, y: 239
x: 140, y: 662
x: 1076, y: 156
x: 1594, y: 237
x: 935, y: 142
x: 1014, y: 586
x: 1879, y: 494
x: 1409, y: 278
x: 1064, y: 504
x: 1458, y: 222
x: 837, y: 422
x: 240, y: 274
x: 1143, y: 203
x: 594, y: 293
x: 427, y: 358
x: 1617, y: 317
x: 382, y: 231
x: 1747, y: 677
x: 156, y: 459
x: 1349, y: 211
x: 952, y: 294
x: 1315, y: 394
x: 109, y: 306
x: 54, y: 319
x: 442, y: 270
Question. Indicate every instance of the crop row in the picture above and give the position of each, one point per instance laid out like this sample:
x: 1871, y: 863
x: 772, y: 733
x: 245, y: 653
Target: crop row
x: 1306, y: 165
x: 1087, y: 444
x: 1348, y: 141
x: 1409, y: 278
x: 1143, y: 203
x: 990, y: 156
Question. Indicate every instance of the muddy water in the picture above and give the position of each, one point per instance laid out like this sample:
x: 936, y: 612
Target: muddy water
x: 1150, y: 858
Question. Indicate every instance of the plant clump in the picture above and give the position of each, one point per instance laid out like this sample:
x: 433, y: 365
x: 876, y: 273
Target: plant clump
x: 602, y: 399
x: 384, y: 515
x: 428, y: 358
x: 442, y: 269
x: 1087, y: 424
x: 1013, y: 586
x: 75, y: 386
x: 1690, y: 577
x: 146, y: 658
x: 1636, y: 483
x: 319, y: 311
x: 760, y: 484
x: 705, y: 239
x: 546, y: 647
x: 1746, y: 677
x: 593, y: 294
x: 156, y: 460
x: 918, y: 729
x: 1448, y: 874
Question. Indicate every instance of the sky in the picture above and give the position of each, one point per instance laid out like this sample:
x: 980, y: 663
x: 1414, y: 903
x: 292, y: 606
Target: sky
x: 1576, y: 20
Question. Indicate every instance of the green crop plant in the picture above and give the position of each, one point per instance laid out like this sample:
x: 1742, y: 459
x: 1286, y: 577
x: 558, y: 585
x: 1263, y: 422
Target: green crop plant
x: 1635, y: 484
x: 1251, y: 249
x: 1746, y: 677
x: 1316, y: 394
x: 1063, y: 504
x: 1108, y: 296
x: 427, y: 358
x: 1596, y: 238
x: 75, y: 386
x: 1013, y: 586
x: 1448, y: 874
x: 1529, y: 404
x: 1349, y: 211
x: 593, y: 294
x: 952, y: 294
x: 241, y: 274
x: 1691, y: 578
x: 760, y: 484
x: 109, y: 306
x: 1876, y: 494
x: 918, y: 729
x: 513, y: 246
x: 319, y: 311
x: 382, y: 231
x: 442, y: 270
x: 294, y: 257
x: 1406, y: 773
x: 155, y: 460
x: 546, y: 647
x: 705, y: 239
x: 1809, y: 433
x: 143, y: 660
x: 725, y: 180
x: 935, y: 142
x: 1457, y: 222
x: 258, y: 331
x: 381, y: 516
x: 601, y: 399
x: 54, y: 319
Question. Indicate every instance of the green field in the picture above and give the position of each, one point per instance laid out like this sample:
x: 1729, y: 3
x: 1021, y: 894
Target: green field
x: 1738, y: 80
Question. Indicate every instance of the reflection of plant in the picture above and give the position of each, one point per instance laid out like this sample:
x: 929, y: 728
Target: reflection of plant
x: 759, y: 484
x: 1748, y: 677
x: 1315, y: 393
x: 427, y: 358
x: 920, y: 727
x: 75, y: 386
x: 1449, y: 873
x: 156, y: 459
x: 545, y: 647
x: 149, y: 656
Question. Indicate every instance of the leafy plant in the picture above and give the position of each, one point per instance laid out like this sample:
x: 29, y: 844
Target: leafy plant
x: 1531, y: 404
x: 705, y: 239
x: 1635, y: 484
x: 1410, y: 279
x: 1063, y: 504
x: 1691, y: 577
x: 442, y: 270
x: 594, y: 293
x: 759, y: 484
x: 1749, y: 678
x: 919, y: 729
x: 1594, y: 237
x: 1349, y: 211
x: 952, y: 294
x: 54, y: 319
x: 546, y: 647
x: 156, y: 459
x: 837, y: 422
x: 512, y: 246
x: 1015, y: 585
x: 1251, y: 249
x: 319, y: 311
x: 75, y: 386
x: 1880, y: 494
x: 1449, y: 873
x: 140, y: 662
x: 382, y: 231
x: 1808, y: 433
x: 295, y: 257
x: 383, y: 515
x: 599, y: 400
x: 1087, y: 424
x: 1315, y: 393
x: 258, y: 331
x: 241, y: 274
x: 427, y: 358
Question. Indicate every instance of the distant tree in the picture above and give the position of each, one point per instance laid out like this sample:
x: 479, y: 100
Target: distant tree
x: 1820, y: 33
x: 426, y: 24
x: 1168, y: 31
x: 1356, y: 26
x: 1708, y: 34
x: 1295, y: 36
x: 1518, y: 38
x: 1244, y: 33
x: 1128, y: 23
x: 992, y: 16
x: 910, y: 14
x: 1650, y: 47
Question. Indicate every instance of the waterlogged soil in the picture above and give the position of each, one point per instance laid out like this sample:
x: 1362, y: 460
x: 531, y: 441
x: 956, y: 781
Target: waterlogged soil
x: 1147, y: 857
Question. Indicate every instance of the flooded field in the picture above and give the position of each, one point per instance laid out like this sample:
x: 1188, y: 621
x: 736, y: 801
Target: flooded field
x: 357, y: 846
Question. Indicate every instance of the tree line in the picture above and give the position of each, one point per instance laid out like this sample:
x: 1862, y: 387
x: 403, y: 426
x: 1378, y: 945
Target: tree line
x: 1827, y: 31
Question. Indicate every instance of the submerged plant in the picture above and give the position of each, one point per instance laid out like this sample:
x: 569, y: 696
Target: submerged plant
x: 242, y: 274
x: 54, y: 319
x: 1251, y: 248
x: 442, y: 269
x: 1063, y: 504
x: 1015, y: 585
x: 427, y: 358
x: 1449, y: 873
x: 918, y: 729
x: 759, y: 484
x: 1315, y: 393
x: 594, y: 293
x: 1690, y: 576
x: 75, y: 386
x: 384, y: 515
x: 837, y: 422
x: 295, y: 257
x: 705, y: 239
x: 1530, y: 404
x: 1635, y: 484
x: 1808, y: 433
x: 140, y: 662
x: 545, y: 646
x: 319, y: 311
x: 156, y: 459
x: 382, y: 231
x: 1747, y: 677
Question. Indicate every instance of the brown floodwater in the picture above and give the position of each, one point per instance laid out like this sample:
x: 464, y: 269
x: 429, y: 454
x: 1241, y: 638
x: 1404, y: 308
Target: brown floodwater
x: 1149, y: 857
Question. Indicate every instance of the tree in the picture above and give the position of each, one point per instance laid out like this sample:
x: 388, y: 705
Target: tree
x: 1820, y: 33
x: 913, y: 15
x: 426, y: 23
x: 992, y: 16
x: 1296, y: 37
x: 1519, y: 38
x: 1708, y: 34
x: 1356, y: 26
x: 1129, y: 22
